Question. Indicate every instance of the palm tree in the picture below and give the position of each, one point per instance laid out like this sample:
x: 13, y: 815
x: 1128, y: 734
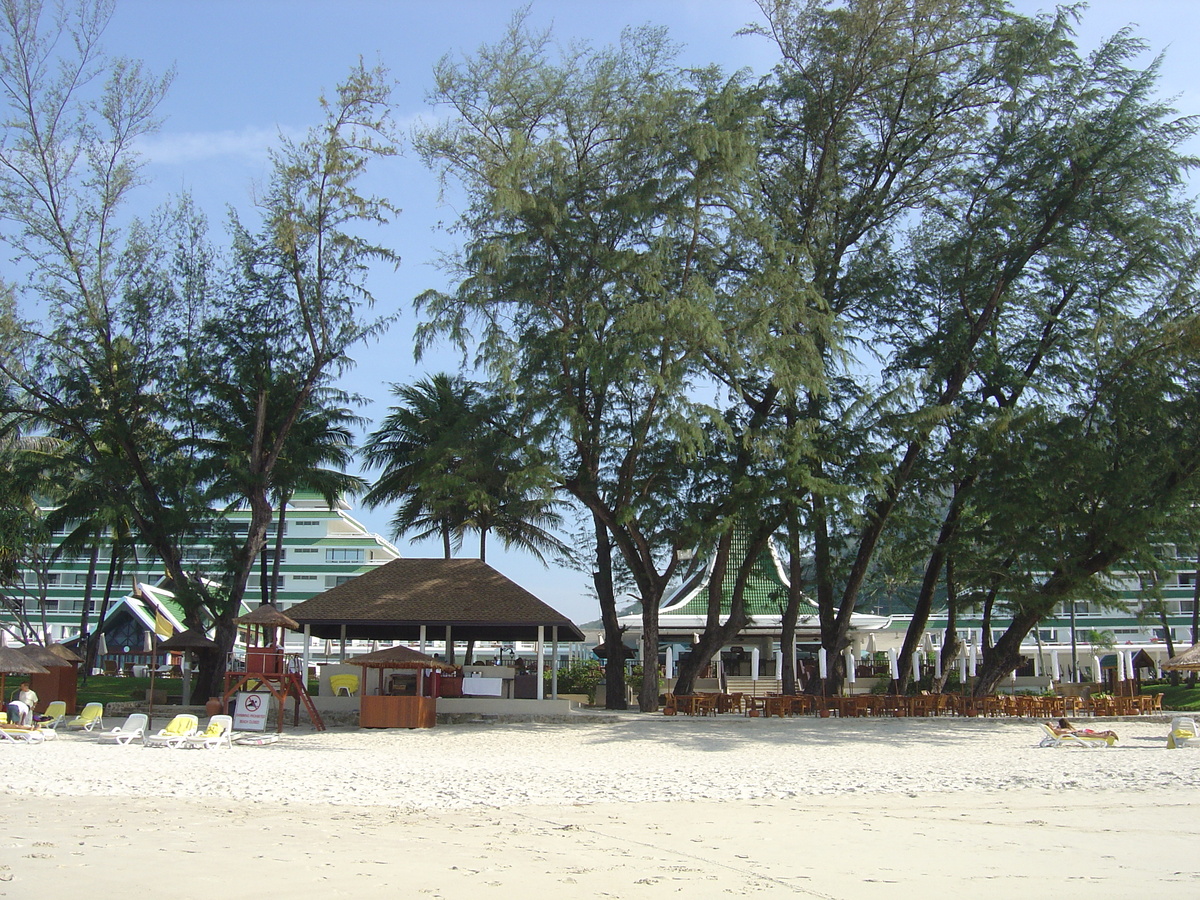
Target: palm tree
x: 320, y: 437
x: 320, y: 440
x: 455, y: 460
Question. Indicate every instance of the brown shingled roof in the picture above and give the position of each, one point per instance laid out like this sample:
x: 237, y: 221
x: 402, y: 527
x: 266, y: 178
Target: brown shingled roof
x: 393, y: 601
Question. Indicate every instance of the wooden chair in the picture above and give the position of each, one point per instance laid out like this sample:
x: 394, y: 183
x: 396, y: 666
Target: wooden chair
x: 706, y: 704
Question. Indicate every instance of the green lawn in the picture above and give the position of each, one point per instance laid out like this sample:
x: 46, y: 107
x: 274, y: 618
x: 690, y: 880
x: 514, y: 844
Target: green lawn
x: 109, y: 689
x: 1181, y: 698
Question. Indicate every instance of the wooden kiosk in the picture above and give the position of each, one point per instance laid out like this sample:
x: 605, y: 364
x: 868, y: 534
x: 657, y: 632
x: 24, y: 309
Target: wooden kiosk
x: 406, y: 699
x: 61, y: 679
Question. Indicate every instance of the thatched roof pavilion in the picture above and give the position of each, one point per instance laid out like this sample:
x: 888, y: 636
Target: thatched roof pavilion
x: 465, y: 596
x: 1188, y: 661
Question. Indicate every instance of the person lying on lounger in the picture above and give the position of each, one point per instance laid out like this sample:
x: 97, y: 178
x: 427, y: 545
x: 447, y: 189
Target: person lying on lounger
x: 1065, y: 727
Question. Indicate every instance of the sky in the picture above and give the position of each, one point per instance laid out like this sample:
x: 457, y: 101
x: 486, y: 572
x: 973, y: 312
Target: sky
x: 247, y: 71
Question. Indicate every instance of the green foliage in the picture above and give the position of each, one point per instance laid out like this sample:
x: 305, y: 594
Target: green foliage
x: 1176, y: 697
x: 579, y: 677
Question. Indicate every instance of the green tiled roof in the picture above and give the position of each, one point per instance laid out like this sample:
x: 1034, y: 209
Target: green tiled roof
x: 766, y: 591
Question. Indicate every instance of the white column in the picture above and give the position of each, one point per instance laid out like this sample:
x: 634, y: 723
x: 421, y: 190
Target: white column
x: 670, y: 662
x: 541, y: 661
x: 1037, y: 665
x: 554, y: 661
x: 422, y: 647
x: 306, y: 655
x: 754, y: 658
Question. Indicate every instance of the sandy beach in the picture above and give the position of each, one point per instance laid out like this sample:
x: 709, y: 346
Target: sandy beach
x: 624, y: 806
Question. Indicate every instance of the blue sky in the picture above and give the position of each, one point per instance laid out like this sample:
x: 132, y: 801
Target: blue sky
x: 247, y: 70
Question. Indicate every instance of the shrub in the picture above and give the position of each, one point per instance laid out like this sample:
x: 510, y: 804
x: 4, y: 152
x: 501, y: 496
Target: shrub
x: 579, y: 678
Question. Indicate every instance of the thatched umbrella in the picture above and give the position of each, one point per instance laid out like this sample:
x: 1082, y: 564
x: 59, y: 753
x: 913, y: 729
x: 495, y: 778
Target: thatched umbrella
x: 188, y: 640
x: 626, y: 652
x: 65, y: 653
x: 267, y: 616
x: 14, y: 661
x: 183, y: 642
x: 1188, y: 661
x: 398, y: 657
x: 45, y: 656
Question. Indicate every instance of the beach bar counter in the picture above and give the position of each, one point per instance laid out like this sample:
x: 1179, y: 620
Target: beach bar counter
x: 404, y: 693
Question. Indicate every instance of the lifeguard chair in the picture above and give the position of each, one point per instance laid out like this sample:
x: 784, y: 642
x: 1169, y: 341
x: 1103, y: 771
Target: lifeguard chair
x: 266, y: 666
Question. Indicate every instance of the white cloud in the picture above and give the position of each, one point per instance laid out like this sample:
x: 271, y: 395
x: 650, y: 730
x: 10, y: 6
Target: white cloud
x: 250, y: 145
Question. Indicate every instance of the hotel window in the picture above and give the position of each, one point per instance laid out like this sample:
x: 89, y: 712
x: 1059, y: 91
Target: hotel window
x: 335, y: 580
x: 344, y: 555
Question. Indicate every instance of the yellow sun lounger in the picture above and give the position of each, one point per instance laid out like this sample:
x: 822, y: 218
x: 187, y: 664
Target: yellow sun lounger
x: 91, y: 716
x: 178, y: 730
x: 1053, y: 738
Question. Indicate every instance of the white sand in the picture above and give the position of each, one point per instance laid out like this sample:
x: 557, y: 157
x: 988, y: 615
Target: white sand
x: 641, y: 807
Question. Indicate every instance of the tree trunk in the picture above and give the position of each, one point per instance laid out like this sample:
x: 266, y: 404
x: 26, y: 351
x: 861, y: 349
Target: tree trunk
x: 88, y: 656
x: 717, y: 634
x: 648, y: 690
x: 614, y: 664
x: 950, y: 641
x: 933, y: 574
x: 1005, y: 655
x: 791, y: 613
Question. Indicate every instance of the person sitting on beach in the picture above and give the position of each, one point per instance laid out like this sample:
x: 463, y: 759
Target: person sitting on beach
x: 1065, y: 727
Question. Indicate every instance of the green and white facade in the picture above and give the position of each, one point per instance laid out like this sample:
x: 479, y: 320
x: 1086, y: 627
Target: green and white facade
x: 322, y: 547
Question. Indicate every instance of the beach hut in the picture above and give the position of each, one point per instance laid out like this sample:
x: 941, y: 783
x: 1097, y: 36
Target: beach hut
x: 405, y: 701
x: 60, y: 679
x: 16, y: 662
